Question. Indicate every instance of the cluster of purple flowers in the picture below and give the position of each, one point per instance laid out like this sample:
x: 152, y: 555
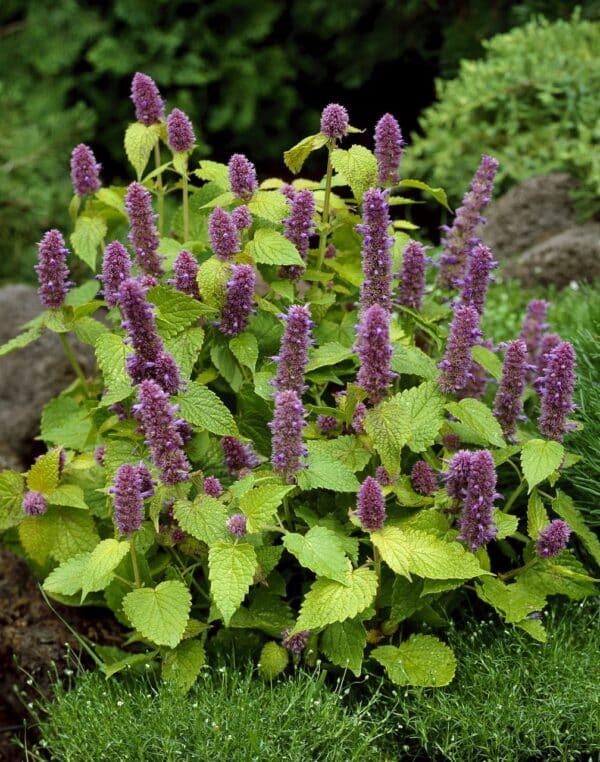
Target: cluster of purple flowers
x: 508, y: 405
x: 370, y: 505
x: 180, y: 133
x: 224, y: 235
x: 376, y: 251
x: 84, y: 170
x: 388, y: 149
x: 534, y: 326
x: 34, y: 503
x: 128, y: 501
x: 185, y: 270
x: 242, y: 218
x: 374, y: 352
x: 423, y: 478
x: 557, y: 393
x: 295, y: 643
x: 237, y: 456
x: 334, y: 121
x: 116, y: 269
x: 298, y: 228
x: 149, y: 107
x: 242, y: 177
x: 212, y: 486
x: 239, y: 300
x: 480, y: 264
x: 293, y: 352
x: 553, y: 539
x: 286, y: 428
x: 412, y: 276
x: 236, y: 525
x: 52, y: 270
x: 464, y: 333
x: 143, y: 234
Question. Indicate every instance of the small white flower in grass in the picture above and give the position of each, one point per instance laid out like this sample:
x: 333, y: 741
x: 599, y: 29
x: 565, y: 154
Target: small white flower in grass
x: 120, y: 703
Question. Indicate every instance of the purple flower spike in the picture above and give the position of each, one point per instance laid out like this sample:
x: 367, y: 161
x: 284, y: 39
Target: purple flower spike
x: 534, y: 326
x: 34, y: 504
x: 237, y: 456
x: 553, y: 539
x: 180, y: 133
x: 127, y: 498
x: 457, y: 478
x: 149, y: 107
x: 460, y: 238
x: 476, y: 523
x: 549, y: 342
x: 242, y: 177
x: 370, y: 505
x: 557, y: 394
x: 456, y: 364
x: 286, y: 427
x: 212, y: 486
x: 295, y: 643
x: 375, y: 352
x: 451, y: 441
x: 162, y: 436
x: 477, y: 377
x: 238, y: 301
x: 116, y: 269
x: 479, y: 274
x: 376, y: 251
x: 236, y: 525
x: 52, y: 270
x: 143, y: 234
x: 383, y: 477
x: 412, y: 276
x: 508, y: 405
x: 326, y: 423
x: 293, y: 352
x: 84, y: 170
x: 224, y: 235
x: 242, y: 218
x: 147, y: 483
x: 185, y: 269
x: 388, y: 149
x: 358, y: 418
x: 298, y: 228
x: 334, y: 121
x: 99, y: 455
x: 423, y: 478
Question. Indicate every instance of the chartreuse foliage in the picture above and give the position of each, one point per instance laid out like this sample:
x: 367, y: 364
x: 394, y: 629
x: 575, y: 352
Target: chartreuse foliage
x: 304, y: 579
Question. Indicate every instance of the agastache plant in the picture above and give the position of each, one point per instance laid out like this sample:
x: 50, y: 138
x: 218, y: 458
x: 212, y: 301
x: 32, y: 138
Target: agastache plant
x: 84, y: 170
x: 293, y: 352
x: 376, y: 251
x: 180, y: 133
x: 477, y: 280
x: 224, y: 235
x: 388, y: 149
x: 238, y: 301
x: 508, y: 405
x: 375, y: 352
x: 128, y: 500
x: 143, y: 234
x: 116, y: 269
x: 149, y: 106
x: 412, y: 276
x: 534, y: 326
x: 185, y: 270
x: 242, y: 177
x: 370, y: 505
x: 557, y: 394
x: 52, y: 270
x: 464, y: 333
x: 298, y: 228
x: 477, y: 526
x: 287, y: 427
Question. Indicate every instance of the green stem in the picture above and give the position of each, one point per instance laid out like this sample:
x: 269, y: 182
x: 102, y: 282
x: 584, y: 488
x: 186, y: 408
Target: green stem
x: 288, y: 514
x: 134, y: 563
x: 325, y: 217
x: 75, y: 364
x: 127, y: 582
x: 513, y: 497
x: 160, y: 190
x: 377, y: 567
x: 186, y: 208
x: 514, y: 572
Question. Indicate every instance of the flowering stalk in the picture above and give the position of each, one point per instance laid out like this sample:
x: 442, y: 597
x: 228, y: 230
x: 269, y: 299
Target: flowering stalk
x: 423, y: 478
x: 116, y: 269
x: 237, y: 456
x: 508, y: 405
x: 376, y: 251
x: 84, y: 170
x: 143, y: 234
x: 185, y: 269
x: 476, y: 523
x: 298, y: 228
x: 286, y: 427
x: 127, y: 499
x: 370, y: 503
x: 478, y: 277
x: 388, y: 149
x: 464, y: 333
x: 223, y: 234
x: 293, y: 352
x: 242, y: 177
x: 553, y: 539
x: 239, y: 300
x: 412, y: 276
x: 375, y: 352
x: 457, y: 478
x: 549, y: 342
x: 557, y: 394
x: 534, y: 326
x: 52, y: 270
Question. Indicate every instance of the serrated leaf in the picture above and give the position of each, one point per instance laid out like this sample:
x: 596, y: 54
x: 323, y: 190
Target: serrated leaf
x: 60, y: 533
x: 44, y: 474
x: 358, y: 166
x: 539, y: 459
x: 515, y: 601
x: 414, y: 361
x: 231, y: 571
x: 270, y: 205
x: 295, y: 157
x: 161, y: 613
x: 185, y: 348
x: 506, y: 524
x: 271, y: 248
x: 101, y: 564
x: 534, y: 628
x: 213, y: 171
x: 213, y: 277
x: 22, y: 339
x: 421, y: 660
x: 113, y: 197
x: 66, y: 578
x: 139, y: 144
x: 565, y: 508
x: 274, y: 659
x: 87, y: 330
x: 128, y: 662
x: 87, y: 237
x: 321, y: 551
x: 479, y: 418
x: 346, y: 450
x: 406, y: 596
x: 245, y: 349
x: 64, y: 422
x: 488, y: 360
x: 439, y: 194
x: 537, y: 517
x: 325, y: 474
x: 68, y: 494
x: 260, y: 503
x: 204, y: 519
x: 392, y: 546
x: 200, y: 406
x: 328, y: 354
x: 267, y: 612
x: 344, y: 643
x: 12, y: 493
x: 182, y: 666
x: 174, y: 311
x: 329, y: 601
x: 111, y: 352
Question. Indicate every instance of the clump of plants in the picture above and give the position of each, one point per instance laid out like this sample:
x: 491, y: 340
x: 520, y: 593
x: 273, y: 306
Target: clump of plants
x: 293, y: 444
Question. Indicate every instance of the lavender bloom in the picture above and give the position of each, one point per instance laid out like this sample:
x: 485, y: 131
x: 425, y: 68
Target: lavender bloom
x: 99, y: 455
x: 52, y: 270
x: 288, y: 422
x: 412, y: 276
x: 147, y: 483
x: 224, y: 235
x: 358, y: 418
x: 451, y: 441
x: 288, y: 191
x: 557, y: 394
x: 239, y: 300
x: 143, y: 234
x: 330, y: 251
x: 298, y: 228
x: 119, y: 409
x: 212, y: 486
x: 375, y: 352
x: 388, y: 149
x: 457, y: 478
x: 370, y: 506
x: 34, y: 504
x: 334, y: 121
x: 237, y: 456
x: 477, y: 280
x: 460, y: 238
x: 456, y: 364
x: 423, y: 478
x: 534, y: 326
x: 476, y: 523
x: 84, y: 170
x: 62, y: 461
x: 236, y: 525
x: 185, y: 269
x: 508, y: 406
x: 383, y: 477
x: 242, y: 218
x: 553, y: 539
x: 160, y: 430
x: 326, y: 423
x: 127, y: 498
x: 549, y: 342
x: 149, y: 107
x: 116, y: 268
x: 295, y: 643
x: 376, y: 251
x: 293, y: 352
x: 180, y: 133
x: 242, y: 176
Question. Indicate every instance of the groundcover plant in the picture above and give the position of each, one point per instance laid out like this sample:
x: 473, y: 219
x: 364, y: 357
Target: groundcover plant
x: 289, y: 431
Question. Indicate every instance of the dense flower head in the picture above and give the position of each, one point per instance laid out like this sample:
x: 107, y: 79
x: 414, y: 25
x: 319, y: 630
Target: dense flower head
x: 460, y: 238
x: 298, y: 228
x: 326, y: 423
x: 212, y: 486
x: 84, y: 170
x: 358, y: 418
x: 388, y: 149
x: 160, y: 431
x: 376, y: 250
x: 242, y: 218
x: 464, y: 333
x: 52, y: 270
x: 423, y: 478
x: 128, y: 500
x: 457, y: 477
x: 293, y: 351
x: 549, y: 342
x: 476, y: 524
x: 480, y: 264
x: 370, y: 505
x: 334, y: 121
x: 239, y: 300
x: 236, y: 525
x: 180, y: 132
x: 553, y: 539
x: 224, y: 235
x: 534, y: 326
x: 143, y: 234
x: 116, y: 269
x: 451, y: 441
x: 149, y: 107
x: 99, y: 455
x: 34, y: 503
x: 185, y: 270
x: 412, y: 276
x: 330, y: 251
x: 383, y: 477
x: 286, y: 429
x: 242, y: 176
x: 557, y: 394
x: 508, y: 405
x: 295, y: 643
x: 288, y: 191
x: 374, y: 352
x: 147, y: 483
x: 237, y: 455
